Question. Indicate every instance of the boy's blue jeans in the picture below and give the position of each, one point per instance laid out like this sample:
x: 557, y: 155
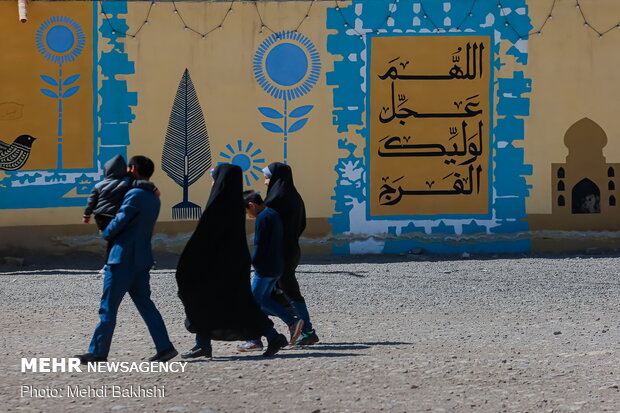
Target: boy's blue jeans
x: 262, y: 287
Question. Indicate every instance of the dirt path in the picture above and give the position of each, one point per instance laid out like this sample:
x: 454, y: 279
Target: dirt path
x: 398, y: 334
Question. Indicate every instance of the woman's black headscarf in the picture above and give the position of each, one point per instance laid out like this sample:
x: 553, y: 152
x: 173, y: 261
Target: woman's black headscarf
x: 213, y: 273
x: 284, y: 198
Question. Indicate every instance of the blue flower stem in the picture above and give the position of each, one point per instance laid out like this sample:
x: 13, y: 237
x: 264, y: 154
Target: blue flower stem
x: 59, y: 162
x: 285, y: 128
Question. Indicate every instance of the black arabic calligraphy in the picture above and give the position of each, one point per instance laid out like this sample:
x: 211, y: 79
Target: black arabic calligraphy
x: 395, y: 147
x: 391, y: 196
x: 473, y: 68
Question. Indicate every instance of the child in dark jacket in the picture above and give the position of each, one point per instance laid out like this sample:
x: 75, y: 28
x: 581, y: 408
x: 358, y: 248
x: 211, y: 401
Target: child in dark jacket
x: 107, y: 196
x: 268, y: 263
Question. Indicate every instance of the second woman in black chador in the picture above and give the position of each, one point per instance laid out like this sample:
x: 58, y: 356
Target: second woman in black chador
x: 284, y: 198
x: 213, y: 273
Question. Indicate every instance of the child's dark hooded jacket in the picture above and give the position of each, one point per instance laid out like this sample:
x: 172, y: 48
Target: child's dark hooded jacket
x: 107, y: 196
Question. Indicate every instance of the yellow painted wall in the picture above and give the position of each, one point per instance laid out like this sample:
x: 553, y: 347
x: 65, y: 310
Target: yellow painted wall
x: 20, y: 72
x: 574, y: 75
x: 221, y: 69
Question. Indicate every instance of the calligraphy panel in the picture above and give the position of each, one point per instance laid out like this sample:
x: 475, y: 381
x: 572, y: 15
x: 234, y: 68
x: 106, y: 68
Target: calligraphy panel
x: 430, y: 121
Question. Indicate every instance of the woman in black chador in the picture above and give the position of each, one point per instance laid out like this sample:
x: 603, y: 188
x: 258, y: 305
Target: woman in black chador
x: 284, y: 198
x: 213, y: 273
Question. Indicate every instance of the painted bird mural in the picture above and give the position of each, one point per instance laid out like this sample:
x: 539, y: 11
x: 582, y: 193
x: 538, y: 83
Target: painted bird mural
x: 15, y: 155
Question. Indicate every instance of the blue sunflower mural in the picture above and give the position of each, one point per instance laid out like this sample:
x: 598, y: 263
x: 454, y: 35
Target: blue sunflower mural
x: 287, y: 66
x: 60, y: 40
x: 246, y: 158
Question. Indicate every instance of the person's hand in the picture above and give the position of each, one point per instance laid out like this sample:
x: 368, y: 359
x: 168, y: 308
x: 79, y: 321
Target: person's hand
x: 157, y: 192
x: 86, y: 220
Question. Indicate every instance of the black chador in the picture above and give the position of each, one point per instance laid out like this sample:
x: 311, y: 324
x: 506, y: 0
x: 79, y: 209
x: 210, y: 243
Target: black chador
x: 213, y: 273
x: 284, y: 198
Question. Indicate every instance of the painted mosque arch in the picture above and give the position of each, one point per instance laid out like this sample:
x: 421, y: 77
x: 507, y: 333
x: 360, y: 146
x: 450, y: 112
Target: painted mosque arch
x: 561, y: 201
x: 586, y: 198
x: 561, y: 173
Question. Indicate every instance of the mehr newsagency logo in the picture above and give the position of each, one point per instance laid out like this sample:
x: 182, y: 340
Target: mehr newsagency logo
x: 72, y: 365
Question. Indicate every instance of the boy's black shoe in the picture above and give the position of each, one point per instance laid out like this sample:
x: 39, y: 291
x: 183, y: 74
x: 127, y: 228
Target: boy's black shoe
x: 308, y: 339
x: 197, y: 351
x: 89, y: 358
x: 165, y: 355
x: 275, y: 345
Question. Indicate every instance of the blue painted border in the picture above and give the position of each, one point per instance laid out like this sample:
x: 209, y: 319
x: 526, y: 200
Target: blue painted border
x: 95, y: 78
x: 507, y: 185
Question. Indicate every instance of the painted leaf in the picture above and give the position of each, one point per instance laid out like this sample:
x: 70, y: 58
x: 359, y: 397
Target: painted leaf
x: 272, y: 127
x: 49, y: 93
x: 270, y: 113
x: 70, y: 80
x: 187, y: 154
x: 50, y: 80
x: 70, y: 92
x: 301, y: 111
x: 298, y: 125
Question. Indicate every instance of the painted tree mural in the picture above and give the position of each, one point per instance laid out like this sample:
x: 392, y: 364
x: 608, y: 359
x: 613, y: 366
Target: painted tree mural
x: 186, y: 154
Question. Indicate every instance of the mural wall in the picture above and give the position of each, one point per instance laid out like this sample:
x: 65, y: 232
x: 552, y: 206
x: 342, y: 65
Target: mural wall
x: 438, y: 159
x: 453, y: 126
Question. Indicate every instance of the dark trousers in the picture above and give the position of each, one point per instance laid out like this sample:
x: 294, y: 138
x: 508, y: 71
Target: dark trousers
x: 288, y: 282
x: 102, y: 222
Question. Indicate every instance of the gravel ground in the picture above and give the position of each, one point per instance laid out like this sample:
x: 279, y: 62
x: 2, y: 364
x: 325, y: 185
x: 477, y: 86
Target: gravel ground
x: 398, y: 334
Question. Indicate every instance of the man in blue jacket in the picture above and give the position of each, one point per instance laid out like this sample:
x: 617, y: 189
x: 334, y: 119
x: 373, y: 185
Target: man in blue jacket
x: 128, y: 268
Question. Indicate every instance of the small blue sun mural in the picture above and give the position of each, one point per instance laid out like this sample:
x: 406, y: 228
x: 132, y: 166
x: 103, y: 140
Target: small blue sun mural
x: 287, y: 66
x: 60, y: 40
x: 245, y: 158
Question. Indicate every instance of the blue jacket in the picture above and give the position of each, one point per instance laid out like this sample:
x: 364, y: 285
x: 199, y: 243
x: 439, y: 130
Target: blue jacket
x: 268, y: 259
x: 131, y: 229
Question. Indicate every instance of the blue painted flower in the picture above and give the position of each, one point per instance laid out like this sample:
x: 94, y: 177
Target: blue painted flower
x: 287, y: 65
x: 60, y: 39
x: 247, y: 159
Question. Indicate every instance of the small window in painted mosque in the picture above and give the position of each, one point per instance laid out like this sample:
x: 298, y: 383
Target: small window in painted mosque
x: 561, y: 173
x: 612, y: 201
x: 560, y: 185
x: 561, y: 200
x: 611, y: 186
x: 610, y: 172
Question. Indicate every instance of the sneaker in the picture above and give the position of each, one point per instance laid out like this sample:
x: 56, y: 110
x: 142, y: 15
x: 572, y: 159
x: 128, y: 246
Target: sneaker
x: 102, y: 271
x: 295, y: 330
x: 308, y: 339
x: 252, y: 345
x: 275, y: 345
